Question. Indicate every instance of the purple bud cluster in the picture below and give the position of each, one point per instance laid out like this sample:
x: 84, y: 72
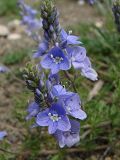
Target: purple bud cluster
x: 54, y: 106
x: 116, y: 12
x: 29, y: 19
x: 50, y: 21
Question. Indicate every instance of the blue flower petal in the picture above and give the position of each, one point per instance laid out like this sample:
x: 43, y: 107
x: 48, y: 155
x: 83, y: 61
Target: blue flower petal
x: 79, y: 53
x: 72, y: 140
x: 73, y: 40
x: 54, y: 68
x: 43, y: 118
x: 2, y: 134
x: 75, y: 126
x: 52, y: 127
x: 46, y: 62
x: 33, y: 109
x: 80, y: 114
x: 90, y: 73
x: 65, y: 65
x: 63, y: 34
x: 64, y: 124
x: 60, y: 138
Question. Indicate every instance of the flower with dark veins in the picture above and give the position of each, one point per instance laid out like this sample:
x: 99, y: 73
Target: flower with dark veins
x: 68, y: 39
x: 90, y: 73
x: 69, y: 138
x: 77, y: 55
x: 55, y: 60
x: 72, y: 106
x: 33, y: 110
x: 42, y: 48
x: 55, y: 118
x: 59, y: 92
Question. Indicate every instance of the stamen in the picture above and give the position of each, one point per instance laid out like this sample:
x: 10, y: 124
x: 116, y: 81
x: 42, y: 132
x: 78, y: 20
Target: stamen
x: 56, y: 60
x: 51, y: 55
x: 70, y: 32
x: 54, y: 117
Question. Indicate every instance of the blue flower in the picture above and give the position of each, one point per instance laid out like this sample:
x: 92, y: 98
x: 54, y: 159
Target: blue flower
x: 86, y: 69
x: 60, y: 92
x: 55, y: 60
x: 33, y: 25
x: 29, y: 10
x: 69, y: 138
x: 77, y: 55
x: 42, y: 48
x: 72, y: 106
x: 33, y: 110
x: 67, y: 39
x: 29, y: 18
x: 55, y: 118
x: 2, y: 134
x: 81, y: 61
x: 89, y: 73
x: 3, y: 69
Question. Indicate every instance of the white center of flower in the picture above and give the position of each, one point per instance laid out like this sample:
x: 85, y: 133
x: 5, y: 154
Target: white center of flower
x: 56, y: 60
x: 54, y: 117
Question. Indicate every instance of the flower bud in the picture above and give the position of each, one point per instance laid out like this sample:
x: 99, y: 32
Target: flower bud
x: 116, y: 12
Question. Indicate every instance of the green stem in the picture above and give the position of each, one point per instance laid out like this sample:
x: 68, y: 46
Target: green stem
x: 72, y: 81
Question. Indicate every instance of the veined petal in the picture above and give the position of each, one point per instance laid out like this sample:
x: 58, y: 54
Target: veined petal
x: 63, y: 34
x: 72, y: 140
x: 64, y: 124
x: 80, y: 114
x: 65, y: 65
x: 58, y: 90
x: 90, y: 73
x: 46, y: 62
x: 73, y: 39
x: 60, y: 138
x: 52, y: 127
x: 54, y: 68
x: 75, y: 126
x: 77, y: 65
x: 43, y: 118
x: 79, y: 53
